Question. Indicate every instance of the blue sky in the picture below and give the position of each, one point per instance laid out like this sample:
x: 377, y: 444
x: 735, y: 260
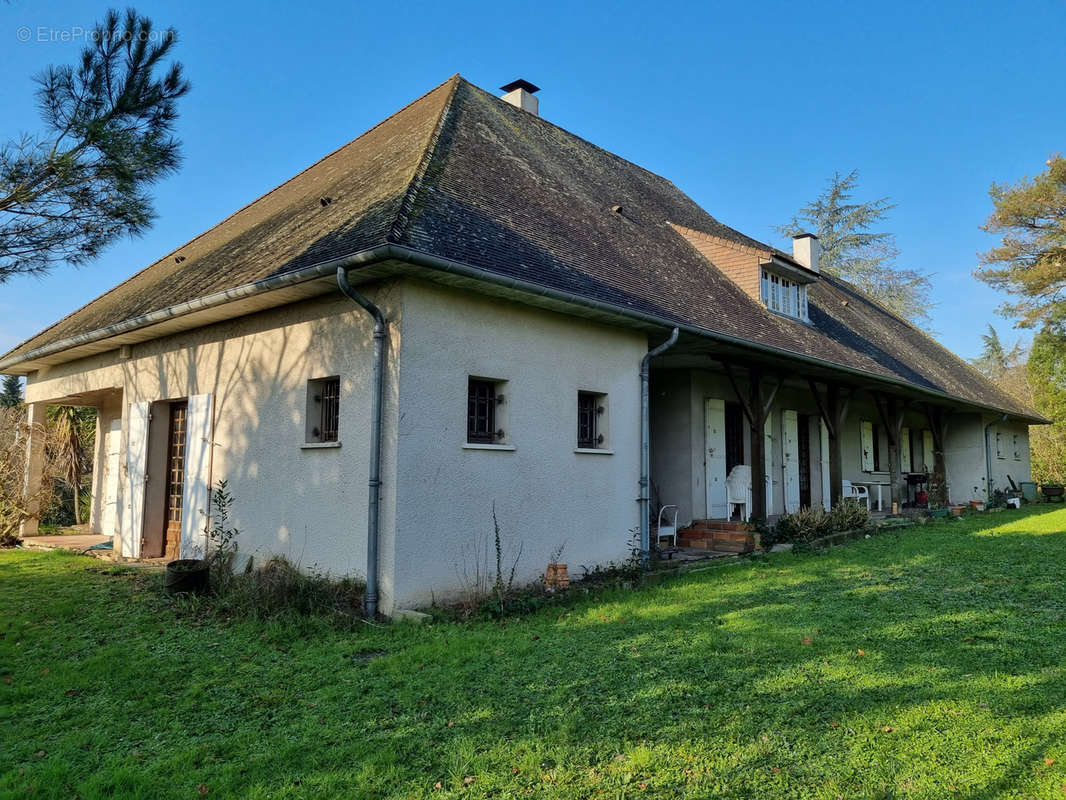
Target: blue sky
x: 746, y: 107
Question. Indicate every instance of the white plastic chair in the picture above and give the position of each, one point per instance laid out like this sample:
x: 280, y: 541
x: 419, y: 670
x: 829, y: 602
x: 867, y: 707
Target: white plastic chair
x: 667, y: 530
x: 738, y: 491
x: 855, y: 492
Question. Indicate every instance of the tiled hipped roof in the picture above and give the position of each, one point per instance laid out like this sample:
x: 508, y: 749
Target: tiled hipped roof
x: 461, y: 175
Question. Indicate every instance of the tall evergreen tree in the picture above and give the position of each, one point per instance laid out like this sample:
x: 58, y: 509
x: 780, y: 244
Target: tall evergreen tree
x: 1030, y: 261
x: 1047, y: 380
x: 11, y: 391
x: 67, y: 194
x: 995, y: 360
x: 852, y: 248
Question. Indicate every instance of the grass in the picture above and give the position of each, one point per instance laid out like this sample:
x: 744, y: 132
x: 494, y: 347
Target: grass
x: 927, y: 663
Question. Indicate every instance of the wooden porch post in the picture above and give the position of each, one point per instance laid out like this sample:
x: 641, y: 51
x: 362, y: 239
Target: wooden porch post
x: 938, y: 428
x: 757, y: 418
x: 31, y: 482
x: 892, y: 419
x: 836, y: 466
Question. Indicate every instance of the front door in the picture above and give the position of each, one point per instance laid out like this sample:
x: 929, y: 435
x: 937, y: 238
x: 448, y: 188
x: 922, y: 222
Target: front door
x: 804, y: 439
x: 175, y: 481
x: 714, y: 457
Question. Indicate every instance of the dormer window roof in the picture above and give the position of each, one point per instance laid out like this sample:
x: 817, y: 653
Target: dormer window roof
x: 776, y: 279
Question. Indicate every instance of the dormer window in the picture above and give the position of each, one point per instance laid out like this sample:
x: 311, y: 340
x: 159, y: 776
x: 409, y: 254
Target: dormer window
x: 784, y: 296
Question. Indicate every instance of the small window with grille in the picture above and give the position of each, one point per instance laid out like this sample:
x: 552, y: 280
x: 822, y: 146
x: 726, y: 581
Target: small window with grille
x: 591, y: 420
x: 323, y: 410
x: 484, y: 411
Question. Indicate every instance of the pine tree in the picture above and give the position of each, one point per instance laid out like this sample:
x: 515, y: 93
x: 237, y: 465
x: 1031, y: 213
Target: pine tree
x: 11, y: 392
x: 854, y: 252
x: 996, y: 361
x: 1047, y: 380
x: 66, y: 195
x: 1030, y: 261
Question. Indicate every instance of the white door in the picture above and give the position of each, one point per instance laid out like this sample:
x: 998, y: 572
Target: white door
x: 768, y: 461
x: 790, y: 459
x: 827, y: 496
x: 866, y: 432
x: 196, y: 494
x: 136, y: 469
x: 905, y: 450
x: 714, y: 461
x: 112, y: 465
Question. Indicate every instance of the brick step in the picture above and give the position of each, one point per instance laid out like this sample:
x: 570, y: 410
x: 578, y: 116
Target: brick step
x: 718, y: 525
x: 719, y: 545
x: 727, y: 541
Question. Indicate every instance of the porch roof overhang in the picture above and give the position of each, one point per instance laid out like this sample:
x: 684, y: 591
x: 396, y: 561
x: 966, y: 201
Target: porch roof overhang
x: 389, y: 260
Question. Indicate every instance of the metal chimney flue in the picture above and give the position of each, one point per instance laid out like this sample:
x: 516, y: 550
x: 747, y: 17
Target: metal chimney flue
x: 521, y: 94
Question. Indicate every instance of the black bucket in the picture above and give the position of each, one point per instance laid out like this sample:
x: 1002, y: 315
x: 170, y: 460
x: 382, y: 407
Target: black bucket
x: 187, y: 575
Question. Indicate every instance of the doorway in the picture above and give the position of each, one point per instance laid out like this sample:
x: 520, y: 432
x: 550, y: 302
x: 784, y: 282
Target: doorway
x: 175, y: 484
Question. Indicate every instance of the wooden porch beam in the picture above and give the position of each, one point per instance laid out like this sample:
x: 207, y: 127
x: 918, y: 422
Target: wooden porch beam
x: 742, y: 398
x: 758, y: 463
x: 830, y: 423
x: 770, y: 400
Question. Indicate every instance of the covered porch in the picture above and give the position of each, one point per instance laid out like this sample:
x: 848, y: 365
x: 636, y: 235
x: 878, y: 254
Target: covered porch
x: 735, y: 437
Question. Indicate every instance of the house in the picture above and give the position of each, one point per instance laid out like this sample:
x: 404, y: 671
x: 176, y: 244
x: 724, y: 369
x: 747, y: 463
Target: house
x: 523, y: 289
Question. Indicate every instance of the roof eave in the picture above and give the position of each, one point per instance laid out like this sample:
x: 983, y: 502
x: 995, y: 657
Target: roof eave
x: 383, y: 252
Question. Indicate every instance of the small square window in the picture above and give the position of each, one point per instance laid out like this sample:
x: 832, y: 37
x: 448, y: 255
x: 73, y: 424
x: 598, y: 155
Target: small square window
x: 591, y: 420
x: 323, y: 410
x: 484, y: 420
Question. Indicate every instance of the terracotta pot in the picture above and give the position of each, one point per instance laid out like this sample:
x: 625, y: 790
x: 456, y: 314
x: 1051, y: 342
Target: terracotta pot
x: 956, y: 511
x: 556, y: 577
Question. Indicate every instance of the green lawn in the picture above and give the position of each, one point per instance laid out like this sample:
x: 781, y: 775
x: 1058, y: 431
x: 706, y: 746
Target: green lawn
x: 930, y: 663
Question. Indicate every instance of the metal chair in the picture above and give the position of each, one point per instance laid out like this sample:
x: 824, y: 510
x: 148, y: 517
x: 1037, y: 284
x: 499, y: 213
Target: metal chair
x: 738, y: 491
x: 854, y: 491
x: 667, y: 530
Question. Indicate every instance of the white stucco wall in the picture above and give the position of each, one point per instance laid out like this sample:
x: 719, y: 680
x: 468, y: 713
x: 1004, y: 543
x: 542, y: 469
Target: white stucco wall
x: 306, y: 504
x: 545, y: 494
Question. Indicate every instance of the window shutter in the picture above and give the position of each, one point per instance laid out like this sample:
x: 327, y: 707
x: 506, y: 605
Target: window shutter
x: 866, y: 439
x: 928, y: 459
x: 132, y: 526
x: 196, y: 496
x: 905, y: 450
x: 826, y: 490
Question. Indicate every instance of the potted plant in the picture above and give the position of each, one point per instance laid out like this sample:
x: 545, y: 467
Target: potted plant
x: 556, y: 576
x: 193, y: 575
x: 187, y: 575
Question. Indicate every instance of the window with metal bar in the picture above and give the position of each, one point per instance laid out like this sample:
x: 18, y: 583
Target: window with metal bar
x: 586, y: 420
x: 481, y: 411
x: 323, y: 410
x: 331, y: 399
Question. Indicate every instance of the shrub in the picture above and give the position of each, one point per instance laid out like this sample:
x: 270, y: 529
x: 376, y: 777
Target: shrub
x: 809, y: 524
x: 278, y: 589
x: 804, y: 525
x: 849, y: 515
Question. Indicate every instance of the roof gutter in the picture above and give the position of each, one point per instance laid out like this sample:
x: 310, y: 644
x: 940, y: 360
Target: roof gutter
x: 374, y: 255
